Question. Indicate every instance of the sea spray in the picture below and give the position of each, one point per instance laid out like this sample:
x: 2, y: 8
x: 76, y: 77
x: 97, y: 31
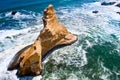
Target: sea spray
x: 97, y: 48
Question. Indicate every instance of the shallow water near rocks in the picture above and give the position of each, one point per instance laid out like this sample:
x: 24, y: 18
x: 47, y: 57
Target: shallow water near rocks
x: 96, y: 54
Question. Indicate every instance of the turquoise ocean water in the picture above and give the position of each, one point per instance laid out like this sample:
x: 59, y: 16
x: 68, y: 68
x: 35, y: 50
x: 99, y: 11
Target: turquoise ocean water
x: 96, y: 54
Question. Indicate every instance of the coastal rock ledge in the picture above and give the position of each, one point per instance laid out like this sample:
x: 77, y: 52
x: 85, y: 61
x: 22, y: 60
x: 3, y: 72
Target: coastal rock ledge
x: 28, y: 61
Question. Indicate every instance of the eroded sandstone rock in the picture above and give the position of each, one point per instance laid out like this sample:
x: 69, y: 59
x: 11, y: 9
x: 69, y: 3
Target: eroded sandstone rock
x: 29, y: 59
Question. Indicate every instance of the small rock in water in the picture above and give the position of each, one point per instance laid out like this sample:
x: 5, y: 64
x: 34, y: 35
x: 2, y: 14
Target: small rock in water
x: 14, y: 12
x: 8, y: 37
x: 118, y: 13
x: 107, y: 3
x: 118, y: 5
x: 95, y: 11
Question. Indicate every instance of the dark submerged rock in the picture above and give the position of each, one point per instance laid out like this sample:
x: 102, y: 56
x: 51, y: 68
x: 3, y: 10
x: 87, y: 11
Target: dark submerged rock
x: 14, y: 12
x: 107, y: 3
x: 118, y: 13
x: 95, y: 11
x: 118, y: 5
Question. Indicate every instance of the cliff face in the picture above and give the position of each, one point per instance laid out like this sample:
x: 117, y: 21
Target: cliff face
x: 29, y: 59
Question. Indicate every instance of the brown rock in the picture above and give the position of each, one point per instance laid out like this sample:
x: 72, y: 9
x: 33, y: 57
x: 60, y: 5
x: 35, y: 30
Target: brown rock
x: 29, y: 59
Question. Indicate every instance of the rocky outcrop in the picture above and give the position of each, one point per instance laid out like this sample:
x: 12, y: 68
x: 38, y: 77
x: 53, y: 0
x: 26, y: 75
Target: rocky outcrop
x: 29, y: 59
x: 118, y: 13
x: 13, y: 12
x: 95, y: 12
x: 107, y: 3
x: 118, y: 5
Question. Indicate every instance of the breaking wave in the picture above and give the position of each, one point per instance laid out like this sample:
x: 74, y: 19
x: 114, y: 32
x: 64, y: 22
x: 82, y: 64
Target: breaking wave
x: 95, y: 56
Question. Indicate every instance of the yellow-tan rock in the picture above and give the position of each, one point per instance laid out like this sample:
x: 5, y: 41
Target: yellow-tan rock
x: 29, y: 59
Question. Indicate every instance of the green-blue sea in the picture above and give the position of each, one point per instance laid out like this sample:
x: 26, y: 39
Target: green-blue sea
x: 95, y: 55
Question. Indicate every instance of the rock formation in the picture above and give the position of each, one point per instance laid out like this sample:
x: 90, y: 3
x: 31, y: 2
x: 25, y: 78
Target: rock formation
x: 95, y: 12
x: 118, y: 13
x: 118, y: 5
x: 28, y: 61
x: 13, y: 12
x: 107, y: 3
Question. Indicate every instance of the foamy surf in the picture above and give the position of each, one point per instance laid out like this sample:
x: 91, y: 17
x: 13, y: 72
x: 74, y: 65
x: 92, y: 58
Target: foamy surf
x: 92, y: 57
x: 93, y: 30
x: 13, y: 41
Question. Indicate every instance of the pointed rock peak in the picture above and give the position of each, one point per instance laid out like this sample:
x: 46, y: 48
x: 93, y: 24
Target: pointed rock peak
x: 49, y: 16
x: 50, y: 7
x: 49, y: 12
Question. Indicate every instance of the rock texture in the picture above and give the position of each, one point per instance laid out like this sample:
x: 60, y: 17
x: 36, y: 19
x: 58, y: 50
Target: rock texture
x: 29, y: 59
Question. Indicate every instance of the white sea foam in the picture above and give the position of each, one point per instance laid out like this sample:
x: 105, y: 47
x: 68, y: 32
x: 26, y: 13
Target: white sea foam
x: 79, y: 21
x: 70, y: 56
x: 20, y: 38
x: 20, y: 15
x: 72, y: 77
